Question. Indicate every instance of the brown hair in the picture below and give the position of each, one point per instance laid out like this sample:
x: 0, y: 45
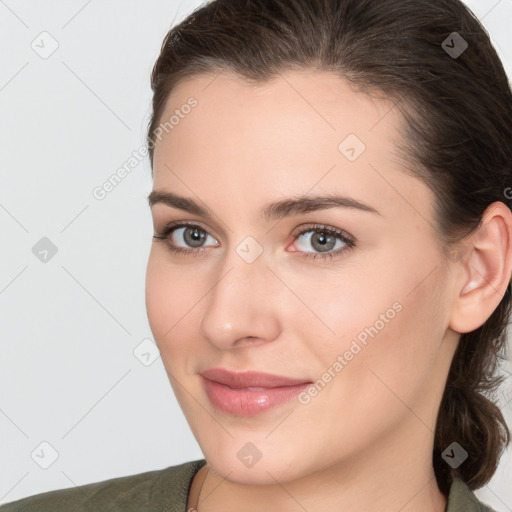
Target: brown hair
x: 458, y: 140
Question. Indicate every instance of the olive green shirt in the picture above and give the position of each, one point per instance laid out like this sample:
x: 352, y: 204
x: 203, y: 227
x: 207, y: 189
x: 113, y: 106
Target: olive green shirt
x: 164, y: 490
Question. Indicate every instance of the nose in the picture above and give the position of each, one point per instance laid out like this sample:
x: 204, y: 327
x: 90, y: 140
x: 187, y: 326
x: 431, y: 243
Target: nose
x: 241, y: 308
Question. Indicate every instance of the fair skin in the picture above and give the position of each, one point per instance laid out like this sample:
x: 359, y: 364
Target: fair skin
x: 366, y: 439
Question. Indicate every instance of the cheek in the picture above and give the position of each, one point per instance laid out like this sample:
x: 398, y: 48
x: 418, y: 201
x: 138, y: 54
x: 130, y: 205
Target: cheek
x: 156, y: 295
x: 389, y: 353
x: 377, y: 325
x: 352, y: 306
x: 170, y: 297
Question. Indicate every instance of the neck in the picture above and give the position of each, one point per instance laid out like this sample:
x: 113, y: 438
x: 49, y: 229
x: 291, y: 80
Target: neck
x: 382, y: 479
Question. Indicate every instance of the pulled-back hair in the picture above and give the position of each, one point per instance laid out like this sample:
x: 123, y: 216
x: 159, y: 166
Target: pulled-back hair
x: 457, y: 138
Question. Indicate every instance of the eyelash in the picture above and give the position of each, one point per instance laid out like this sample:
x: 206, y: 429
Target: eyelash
x: 319, y: 228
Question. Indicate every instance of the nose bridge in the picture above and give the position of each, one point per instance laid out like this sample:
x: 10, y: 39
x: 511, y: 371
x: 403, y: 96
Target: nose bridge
x: 238, y: 304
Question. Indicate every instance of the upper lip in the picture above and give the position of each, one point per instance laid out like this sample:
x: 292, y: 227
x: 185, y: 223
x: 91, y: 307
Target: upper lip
x: 250, y: 379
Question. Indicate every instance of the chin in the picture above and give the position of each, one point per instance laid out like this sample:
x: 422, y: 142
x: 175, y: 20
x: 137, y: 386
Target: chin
x: 255, y: 464
x: 257, y: 475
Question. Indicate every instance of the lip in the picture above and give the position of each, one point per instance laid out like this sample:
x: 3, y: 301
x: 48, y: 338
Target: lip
x: 249, y: 393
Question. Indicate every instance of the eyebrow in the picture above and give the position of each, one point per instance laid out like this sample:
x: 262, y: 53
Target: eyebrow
x: 272, y: 211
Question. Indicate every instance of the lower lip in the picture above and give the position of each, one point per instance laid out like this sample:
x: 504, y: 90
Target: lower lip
x: 247, y: 402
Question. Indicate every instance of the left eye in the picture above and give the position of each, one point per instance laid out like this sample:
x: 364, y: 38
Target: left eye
x: 322, y: 239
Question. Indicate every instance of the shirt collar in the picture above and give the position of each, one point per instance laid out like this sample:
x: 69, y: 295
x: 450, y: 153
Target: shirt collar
x: 462, y: 499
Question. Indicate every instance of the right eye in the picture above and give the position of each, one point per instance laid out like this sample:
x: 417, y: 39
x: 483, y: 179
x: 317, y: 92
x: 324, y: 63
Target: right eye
x: 188, y: 233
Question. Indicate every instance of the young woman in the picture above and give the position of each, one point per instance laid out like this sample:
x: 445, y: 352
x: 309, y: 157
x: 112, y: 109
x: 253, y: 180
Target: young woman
x: 329, y: 283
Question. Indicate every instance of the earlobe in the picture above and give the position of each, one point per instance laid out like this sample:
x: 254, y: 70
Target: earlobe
x: 485, y: 270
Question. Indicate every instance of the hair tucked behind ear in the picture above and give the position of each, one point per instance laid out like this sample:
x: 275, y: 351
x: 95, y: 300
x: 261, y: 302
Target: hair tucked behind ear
x: 457, y: 138
x: 466, y: 415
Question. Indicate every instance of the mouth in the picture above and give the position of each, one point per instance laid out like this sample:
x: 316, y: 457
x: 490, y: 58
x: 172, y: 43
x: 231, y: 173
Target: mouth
x: 249, y: 393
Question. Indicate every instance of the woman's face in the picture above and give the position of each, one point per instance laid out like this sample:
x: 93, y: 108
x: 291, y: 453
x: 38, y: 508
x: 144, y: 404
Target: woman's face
x: 367, y: 328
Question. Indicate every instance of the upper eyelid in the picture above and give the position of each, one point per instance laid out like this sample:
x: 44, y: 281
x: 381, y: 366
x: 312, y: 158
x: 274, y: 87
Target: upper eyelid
x: 314, y: 226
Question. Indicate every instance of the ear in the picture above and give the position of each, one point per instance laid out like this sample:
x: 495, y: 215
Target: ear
x: 484, y: 271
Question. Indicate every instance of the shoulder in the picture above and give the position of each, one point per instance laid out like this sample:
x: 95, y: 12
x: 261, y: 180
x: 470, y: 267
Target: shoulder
x: 164, y: 489
x: 462, y: 499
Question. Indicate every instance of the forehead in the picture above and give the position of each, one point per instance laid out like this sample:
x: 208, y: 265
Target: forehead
x: 323, y: 100
x: 296, y: 110
x: 300, y: 131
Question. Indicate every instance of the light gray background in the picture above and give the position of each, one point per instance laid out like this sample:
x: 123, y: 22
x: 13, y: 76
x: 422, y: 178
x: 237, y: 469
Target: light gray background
x: 70, y: 326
